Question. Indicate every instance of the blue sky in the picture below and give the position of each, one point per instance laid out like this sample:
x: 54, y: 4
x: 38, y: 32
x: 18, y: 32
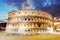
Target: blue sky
x: 51, y: 6
x: 5, y: 9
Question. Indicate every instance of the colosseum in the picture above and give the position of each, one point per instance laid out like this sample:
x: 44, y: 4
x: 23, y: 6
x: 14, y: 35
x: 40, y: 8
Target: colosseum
x: 28, y: 21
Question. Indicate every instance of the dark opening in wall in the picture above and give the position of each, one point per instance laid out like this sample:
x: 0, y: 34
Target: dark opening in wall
x: 25, y: 19
x: 39, y: 25
x: 28, y: 29
x: 28, y: 19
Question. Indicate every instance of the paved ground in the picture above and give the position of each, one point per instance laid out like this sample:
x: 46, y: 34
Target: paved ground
x: 4, y: 36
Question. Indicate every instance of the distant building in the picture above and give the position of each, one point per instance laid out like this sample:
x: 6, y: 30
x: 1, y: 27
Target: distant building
x: 57, y: 24
x: 2, y: 25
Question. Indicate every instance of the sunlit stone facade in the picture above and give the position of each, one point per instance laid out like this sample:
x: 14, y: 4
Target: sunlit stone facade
x: 28, y: 21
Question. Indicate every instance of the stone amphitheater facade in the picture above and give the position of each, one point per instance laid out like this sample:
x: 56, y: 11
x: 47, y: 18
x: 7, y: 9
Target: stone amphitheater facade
x: 28, y: 21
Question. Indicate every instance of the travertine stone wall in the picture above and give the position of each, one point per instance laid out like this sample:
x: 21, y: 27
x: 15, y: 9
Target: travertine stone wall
x: 29, y: 18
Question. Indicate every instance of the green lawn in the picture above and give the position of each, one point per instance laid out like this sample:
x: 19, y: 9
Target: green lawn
x: 4, y: 36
